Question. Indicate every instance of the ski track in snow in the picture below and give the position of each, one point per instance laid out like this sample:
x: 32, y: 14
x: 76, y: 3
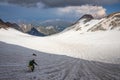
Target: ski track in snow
x: 13, y: 66
x: 68, y: 57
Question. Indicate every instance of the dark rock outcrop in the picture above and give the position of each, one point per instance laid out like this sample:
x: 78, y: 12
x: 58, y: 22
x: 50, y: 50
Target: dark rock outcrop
x: 7, y: 25
x: 35, y: 32
x: 87, y: 17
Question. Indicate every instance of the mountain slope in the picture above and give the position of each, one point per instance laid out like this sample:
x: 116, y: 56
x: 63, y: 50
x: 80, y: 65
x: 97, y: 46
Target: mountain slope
x: 25, y: 27
x: 49, y: 30
x: 59, y: 25
x: 71, y: 42
x: 35, y: 32
x: 111, y: 22
x: 88, y: 24
x: 7, y: 25
x: 14, y: 61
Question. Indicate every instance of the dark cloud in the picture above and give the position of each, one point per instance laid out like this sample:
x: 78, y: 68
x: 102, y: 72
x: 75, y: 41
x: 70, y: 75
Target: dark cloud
x: 60, y: 3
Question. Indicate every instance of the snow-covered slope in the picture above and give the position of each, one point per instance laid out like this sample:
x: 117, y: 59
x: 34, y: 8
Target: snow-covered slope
x: 111, y: 22
x: 93, y: 56
x: 14, y: 61
x: 88, y: 24
x: 71, y: 43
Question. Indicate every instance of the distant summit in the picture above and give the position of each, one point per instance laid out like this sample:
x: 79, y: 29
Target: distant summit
x: 23, y: 28
x: 35, y: 32
x: 7, y: 25
x: 3, y: 24
x: 59, y: 25
x: 87, y: 16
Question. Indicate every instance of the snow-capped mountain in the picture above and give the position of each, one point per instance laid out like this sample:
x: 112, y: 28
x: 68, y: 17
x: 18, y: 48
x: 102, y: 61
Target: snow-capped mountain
x: 111, y: 22
x: 7, y: 25
x: 49, y: 30
x: 43, y: 30
x: 59, y: 25
x: 35, y: 32
x: 87, y: 18
x: 26, y: 27
x: 88, y: 23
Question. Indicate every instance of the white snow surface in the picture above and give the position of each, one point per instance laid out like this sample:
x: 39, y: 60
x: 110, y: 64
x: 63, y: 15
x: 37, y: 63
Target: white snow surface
x: 71, y: 43
x: 70, y: 55
x: 83, y: 26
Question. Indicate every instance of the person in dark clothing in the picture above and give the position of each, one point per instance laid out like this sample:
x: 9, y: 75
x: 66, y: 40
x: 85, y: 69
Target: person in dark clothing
x: 32, y: 64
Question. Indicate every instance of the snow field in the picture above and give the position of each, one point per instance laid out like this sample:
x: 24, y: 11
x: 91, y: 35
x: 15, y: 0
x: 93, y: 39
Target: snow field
x: 71, y: 55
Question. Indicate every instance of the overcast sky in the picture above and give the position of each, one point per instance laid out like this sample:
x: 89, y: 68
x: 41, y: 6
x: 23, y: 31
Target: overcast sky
x: 42, y: 10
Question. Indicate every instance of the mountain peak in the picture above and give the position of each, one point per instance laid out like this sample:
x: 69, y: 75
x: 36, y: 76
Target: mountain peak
x: 35, y: 32
x: 87, y: 16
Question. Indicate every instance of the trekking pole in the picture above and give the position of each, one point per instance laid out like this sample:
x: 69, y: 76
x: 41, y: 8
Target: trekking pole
x: 38, y: 67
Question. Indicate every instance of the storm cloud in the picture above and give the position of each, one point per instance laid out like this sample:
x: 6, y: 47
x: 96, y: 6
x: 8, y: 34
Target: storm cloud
x: 95, y: 11
x: 58, y: 3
